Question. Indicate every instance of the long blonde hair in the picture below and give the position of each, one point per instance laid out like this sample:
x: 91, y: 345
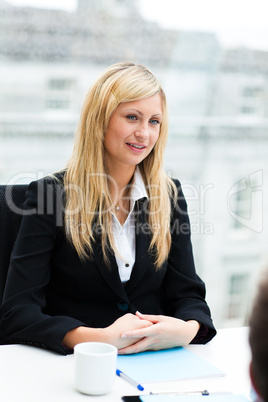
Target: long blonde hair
x: 88, y: 197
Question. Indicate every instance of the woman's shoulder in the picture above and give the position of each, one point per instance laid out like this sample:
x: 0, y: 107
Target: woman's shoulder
x: 53, y: 179
x: 177, y: 199
x: 174, y: 186
x: 46, y: 189
x: 175, y: 181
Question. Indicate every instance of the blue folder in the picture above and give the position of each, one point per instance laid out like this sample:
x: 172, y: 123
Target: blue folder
x: 166, y: 365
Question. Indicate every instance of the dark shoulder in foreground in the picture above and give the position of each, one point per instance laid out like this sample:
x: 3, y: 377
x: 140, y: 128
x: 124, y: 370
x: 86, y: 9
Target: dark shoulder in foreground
x: 46, y: 195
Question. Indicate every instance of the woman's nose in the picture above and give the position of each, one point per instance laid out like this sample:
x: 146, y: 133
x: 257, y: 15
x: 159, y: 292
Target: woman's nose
x: 142, y: 132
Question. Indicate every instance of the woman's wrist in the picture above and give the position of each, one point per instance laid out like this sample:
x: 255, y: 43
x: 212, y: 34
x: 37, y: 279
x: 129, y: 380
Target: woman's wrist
x: 193, y: 328
x: 84, y: 334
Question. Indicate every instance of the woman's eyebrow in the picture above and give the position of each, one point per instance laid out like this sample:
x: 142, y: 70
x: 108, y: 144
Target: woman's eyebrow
x: 140, y: 113
x: 133, y: 110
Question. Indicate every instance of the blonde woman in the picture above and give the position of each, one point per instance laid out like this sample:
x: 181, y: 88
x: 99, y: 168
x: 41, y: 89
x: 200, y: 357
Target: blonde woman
x: 104, y: 251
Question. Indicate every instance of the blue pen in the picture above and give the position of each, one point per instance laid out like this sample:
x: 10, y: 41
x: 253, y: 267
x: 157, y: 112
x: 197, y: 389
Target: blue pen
x: 129, y: 380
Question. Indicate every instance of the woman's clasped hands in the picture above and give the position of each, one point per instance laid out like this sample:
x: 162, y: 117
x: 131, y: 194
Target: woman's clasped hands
x: 141, y: 332
x: 133, y: 333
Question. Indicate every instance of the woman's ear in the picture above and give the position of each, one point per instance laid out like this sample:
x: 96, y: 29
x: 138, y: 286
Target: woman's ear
x: 252, y: 377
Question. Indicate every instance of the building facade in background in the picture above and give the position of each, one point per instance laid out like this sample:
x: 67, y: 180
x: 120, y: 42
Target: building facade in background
x: 218, y: 143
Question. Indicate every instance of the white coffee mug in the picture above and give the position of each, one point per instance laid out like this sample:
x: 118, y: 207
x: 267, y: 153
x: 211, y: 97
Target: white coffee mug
x: 94, y: 367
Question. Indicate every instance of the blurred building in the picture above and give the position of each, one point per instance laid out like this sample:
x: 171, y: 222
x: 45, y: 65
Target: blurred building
x: 218, y: 123
x: 220, y: 150
x: 98, y: 32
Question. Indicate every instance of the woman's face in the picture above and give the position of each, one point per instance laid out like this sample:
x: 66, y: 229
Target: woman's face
x: 132, y: 131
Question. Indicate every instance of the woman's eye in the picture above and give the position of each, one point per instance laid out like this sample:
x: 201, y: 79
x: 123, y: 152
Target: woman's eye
x: 131, y: 117
x: 154, y: 121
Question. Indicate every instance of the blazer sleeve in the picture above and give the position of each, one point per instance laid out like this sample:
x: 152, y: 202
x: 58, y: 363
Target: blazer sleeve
x: 184, y: 291
x: 22, y: 319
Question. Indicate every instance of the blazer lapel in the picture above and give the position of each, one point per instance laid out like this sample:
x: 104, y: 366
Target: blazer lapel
x: 143, y: 239
x: 143, y: 258
x: 110, y: 274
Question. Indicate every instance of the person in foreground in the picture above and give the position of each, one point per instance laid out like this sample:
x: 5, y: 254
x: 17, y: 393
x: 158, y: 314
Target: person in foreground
x: 258, y: 339
x: 104, y: 251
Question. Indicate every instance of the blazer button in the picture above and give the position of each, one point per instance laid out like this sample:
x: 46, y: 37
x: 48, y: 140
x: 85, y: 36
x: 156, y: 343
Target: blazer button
x: 123, y: 306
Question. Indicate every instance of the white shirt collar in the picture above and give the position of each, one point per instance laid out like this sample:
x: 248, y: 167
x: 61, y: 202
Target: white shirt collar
x: 125, y: 236
x: 138, y: 191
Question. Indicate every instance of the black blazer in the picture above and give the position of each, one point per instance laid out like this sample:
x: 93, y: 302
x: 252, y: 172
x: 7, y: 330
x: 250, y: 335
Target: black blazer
x: 50, y: 291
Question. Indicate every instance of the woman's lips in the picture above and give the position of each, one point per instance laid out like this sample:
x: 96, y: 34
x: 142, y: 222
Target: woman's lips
x: 136, y: 147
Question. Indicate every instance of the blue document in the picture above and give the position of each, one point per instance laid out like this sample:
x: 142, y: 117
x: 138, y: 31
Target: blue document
x: 194, y: 398
x: 166, y: 365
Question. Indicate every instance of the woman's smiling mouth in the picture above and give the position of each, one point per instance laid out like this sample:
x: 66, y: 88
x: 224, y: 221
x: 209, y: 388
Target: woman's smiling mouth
x: 135, y: 147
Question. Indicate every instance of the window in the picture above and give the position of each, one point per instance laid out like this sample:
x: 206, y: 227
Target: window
x: 58, y: 84
x: 59, y: 93
x: 58, y: 104
x: 242, y: 204
x: 251, y: 92
x: 252, y: 100
x: 248, y: 110
x: 237, y: 291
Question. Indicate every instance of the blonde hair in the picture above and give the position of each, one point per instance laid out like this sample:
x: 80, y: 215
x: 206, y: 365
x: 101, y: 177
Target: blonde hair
x: 88, y: 197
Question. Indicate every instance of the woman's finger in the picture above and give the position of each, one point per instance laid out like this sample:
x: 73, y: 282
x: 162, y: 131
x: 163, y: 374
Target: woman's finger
x: 137, y: 347
x: 138, y: 333
x: 148, y: 317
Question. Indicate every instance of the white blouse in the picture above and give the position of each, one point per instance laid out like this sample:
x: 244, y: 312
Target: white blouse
x: 124, y: 236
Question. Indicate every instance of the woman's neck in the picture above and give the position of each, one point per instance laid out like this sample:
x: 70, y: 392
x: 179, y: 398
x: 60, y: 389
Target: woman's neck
x: 120, y: 192
x: 120, y: 182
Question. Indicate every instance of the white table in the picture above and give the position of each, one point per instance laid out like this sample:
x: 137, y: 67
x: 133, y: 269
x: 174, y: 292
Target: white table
x: 29, y: 374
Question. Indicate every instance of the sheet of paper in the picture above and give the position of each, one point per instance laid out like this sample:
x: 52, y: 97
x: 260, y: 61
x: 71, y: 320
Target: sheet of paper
x: 194, y: 398
x: 166, y: 365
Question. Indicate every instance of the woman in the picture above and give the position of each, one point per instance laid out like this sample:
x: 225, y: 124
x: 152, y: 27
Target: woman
x: 109, y: 236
